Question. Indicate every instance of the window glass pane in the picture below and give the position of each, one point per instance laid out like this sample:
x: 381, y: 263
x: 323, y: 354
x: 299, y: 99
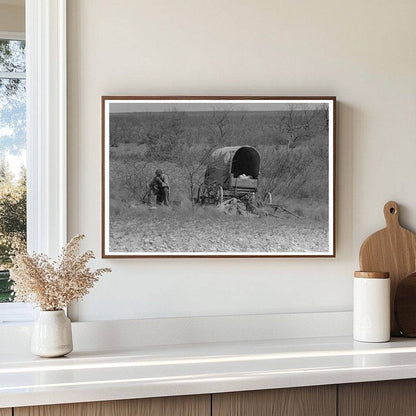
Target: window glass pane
x: 12, y: 56
x: 12, y: 164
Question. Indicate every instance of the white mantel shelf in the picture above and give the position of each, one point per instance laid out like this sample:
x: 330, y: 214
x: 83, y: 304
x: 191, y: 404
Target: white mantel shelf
x: 152, y: 371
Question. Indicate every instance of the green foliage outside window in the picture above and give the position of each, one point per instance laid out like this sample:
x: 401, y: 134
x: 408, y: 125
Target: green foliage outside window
x: 12, y: 145
x: 12, y: 223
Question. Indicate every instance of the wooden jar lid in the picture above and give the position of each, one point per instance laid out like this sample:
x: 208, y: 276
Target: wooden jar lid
x: 372, y: 275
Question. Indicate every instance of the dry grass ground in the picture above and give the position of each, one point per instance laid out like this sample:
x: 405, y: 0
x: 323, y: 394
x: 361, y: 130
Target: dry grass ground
x: 142, y: 229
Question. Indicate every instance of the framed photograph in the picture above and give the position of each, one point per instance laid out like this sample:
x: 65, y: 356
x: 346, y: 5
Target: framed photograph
x: 218, y: 176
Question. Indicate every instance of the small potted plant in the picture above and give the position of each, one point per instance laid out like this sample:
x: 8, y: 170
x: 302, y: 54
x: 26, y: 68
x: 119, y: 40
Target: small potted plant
x: 52, y: 286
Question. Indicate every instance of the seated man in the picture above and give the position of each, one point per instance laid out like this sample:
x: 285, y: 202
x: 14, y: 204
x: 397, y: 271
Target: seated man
x: 160, y: 187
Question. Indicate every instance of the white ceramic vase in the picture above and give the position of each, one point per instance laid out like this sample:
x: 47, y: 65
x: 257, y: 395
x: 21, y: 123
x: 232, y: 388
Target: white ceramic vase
x: 52, y: 334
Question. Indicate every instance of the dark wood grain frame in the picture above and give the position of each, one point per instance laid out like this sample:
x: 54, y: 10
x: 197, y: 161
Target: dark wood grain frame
x: 216, y: 255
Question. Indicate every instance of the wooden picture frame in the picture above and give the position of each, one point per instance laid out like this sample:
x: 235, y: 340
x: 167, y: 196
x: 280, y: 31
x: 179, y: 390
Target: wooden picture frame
x: 262, y: 167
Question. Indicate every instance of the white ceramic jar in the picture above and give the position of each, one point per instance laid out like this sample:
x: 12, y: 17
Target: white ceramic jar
x: 52, y: 334
x: 371, y: 305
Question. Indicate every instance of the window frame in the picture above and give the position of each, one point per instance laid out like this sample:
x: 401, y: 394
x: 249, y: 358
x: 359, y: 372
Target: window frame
x: 46, y: 135
x: 12, y: 35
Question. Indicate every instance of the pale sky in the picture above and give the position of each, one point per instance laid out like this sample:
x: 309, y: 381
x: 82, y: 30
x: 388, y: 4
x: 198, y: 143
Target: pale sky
x: 16, y: 162
x: 161, y: 106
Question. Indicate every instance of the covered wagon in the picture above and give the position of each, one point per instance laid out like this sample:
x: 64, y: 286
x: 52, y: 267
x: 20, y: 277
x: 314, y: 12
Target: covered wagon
x: 231, y: 172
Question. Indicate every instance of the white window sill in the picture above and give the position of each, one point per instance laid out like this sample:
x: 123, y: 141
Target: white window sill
x: 16, y: 313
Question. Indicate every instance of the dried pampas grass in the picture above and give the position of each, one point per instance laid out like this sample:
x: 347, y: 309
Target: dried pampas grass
x: 53, y: 285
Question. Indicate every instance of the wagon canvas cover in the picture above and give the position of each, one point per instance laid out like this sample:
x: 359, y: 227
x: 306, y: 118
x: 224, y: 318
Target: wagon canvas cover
x: 234, y: 160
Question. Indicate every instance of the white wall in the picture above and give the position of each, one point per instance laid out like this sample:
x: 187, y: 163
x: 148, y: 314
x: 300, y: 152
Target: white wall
x: 361, y: 51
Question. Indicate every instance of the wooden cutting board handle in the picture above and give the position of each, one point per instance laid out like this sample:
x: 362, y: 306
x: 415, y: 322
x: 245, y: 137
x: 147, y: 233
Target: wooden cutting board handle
x: 393, y: 250
x: 391, y: 214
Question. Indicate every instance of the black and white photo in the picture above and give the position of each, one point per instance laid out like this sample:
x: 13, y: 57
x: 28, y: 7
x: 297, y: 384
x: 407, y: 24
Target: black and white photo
x: 218, y: 176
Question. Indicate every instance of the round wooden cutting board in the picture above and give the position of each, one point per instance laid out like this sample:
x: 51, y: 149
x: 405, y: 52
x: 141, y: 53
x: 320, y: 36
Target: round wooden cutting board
x: 393, y: 250
x: 405, y: 306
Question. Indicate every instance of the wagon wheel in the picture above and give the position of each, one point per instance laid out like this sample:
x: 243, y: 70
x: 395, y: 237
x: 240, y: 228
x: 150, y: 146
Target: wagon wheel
x: 267, y: 199
x: 201, y: 195
x: 220, y: 195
